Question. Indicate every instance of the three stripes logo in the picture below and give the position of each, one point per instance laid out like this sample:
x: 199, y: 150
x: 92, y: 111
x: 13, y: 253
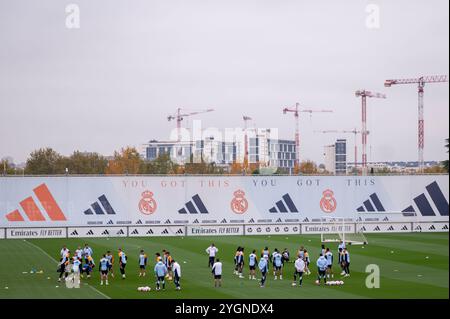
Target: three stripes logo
x: 33, y: 212
x: 194, y: 206
x: 180, y: 232
x: 74, y: 233
x: 105, y: 233
x: 373, y: 204
x: 135, y: 232
x: 97, y: 209
x: 424, y: 205
x: 285, y: 205
x: 90, y: 232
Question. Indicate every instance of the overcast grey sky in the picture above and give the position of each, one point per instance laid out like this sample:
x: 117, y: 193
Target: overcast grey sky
x: 113, y: 81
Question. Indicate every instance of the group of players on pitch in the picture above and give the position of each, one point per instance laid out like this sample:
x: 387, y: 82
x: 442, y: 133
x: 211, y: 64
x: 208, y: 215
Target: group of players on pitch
x: 278, y: 259
x: 82, y: 262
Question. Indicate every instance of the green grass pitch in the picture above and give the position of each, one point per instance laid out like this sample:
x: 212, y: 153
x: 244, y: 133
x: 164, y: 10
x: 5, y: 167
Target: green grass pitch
x: 411, y: 266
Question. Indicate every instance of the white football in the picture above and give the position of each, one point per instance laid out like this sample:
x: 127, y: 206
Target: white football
x: 139, y: 289
x: 294, y: 284
x: 317, y: 282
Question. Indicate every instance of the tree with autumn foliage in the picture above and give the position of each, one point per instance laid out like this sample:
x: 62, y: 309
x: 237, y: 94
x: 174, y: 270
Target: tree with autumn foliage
x: 308, y: 167
x: 125, y: 161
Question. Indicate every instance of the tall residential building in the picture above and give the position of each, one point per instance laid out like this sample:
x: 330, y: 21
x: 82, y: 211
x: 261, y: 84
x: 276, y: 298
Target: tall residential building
x: 336, y: 157
x: 341, y: 157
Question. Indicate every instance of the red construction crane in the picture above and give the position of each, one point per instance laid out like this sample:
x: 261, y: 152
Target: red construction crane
x: 297, y: 112
x: 420, y: 85
x: 364, y: 132
x: 179, y: 117
x: 354, y: 131
x: 246, y: 119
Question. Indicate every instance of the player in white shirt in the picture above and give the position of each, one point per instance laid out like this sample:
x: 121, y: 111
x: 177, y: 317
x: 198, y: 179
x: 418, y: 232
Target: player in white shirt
x: 252, y: 264
x: 63, y: 251
x: 299, y: 270
x: 329, y: 258
x: 217, y: 273
x: 176, y: 268
x: 277, y: 265
x: 212, y: 252
x: 104, y: 268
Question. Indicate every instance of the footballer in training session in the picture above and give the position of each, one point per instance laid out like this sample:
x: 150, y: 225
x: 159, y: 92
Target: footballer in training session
x: 224, y: 150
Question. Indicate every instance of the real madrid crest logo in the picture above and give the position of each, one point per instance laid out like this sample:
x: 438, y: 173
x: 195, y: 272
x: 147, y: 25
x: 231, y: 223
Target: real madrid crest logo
x: 328, y: 202
x: 147, y: 205
x: 239, y: 204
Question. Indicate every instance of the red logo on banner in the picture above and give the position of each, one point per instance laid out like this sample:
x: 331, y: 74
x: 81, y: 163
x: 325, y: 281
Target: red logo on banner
x: 239, y: 204
x: 328, y: 202
x: 33, y: 212
x: 147, y: 205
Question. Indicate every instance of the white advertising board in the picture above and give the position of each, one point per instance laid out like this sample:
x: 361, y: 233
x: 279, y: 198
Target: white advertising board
x: 22, y: 233
x: 183, y: 200
x: 281, y: 229
x: 215, y: 230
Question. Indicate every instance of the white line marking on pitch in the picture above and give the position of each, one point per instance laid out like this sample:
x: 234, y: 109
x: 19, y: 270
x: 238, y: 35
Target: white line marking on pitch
x: 45, y: 253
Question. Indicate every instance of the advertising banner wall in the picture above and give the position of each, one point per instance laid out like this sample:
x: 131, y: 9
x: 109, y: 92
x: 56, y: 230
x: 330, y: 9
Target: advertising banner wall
x: 74, y: 201
x: 19, y: 233
x: 2, y: 233
x: 217, y: 230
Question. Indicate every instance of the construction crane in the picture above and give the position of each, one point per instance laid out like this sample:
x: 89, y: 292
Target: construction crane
x: 354, y: 131
x: 420, y: 85
x: 297, y: 112
x: 179, y: 117
x: 246, y: 119
x: 364, y: 132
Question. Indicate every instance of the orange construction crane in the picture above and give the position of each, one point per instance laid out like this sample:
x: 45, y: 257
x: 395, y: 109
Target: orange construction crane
x: 364, y: 132
x: 179, y: 117
x: 297, y: 112
x: 420, y: 85
x: 354, y: 131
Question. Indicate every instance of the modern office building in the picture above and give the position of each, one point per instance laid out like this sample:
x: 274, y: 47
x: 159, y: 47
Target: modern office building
x: 336, y: 157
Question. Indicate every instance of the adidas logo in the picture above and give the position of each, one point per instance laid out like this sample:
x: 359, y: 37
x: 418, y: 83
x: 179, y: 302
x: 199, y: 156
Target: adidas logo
x: 195, y: 221
x: 90, y: 232
x: 167, y: 222
x: 418, y: 228
x: 278, y: 220
x: 33, y: 212
x: 165, y: 232
x: 306, y: 220
x: 377, y: 228
x: 180, y: 232
x: 224, y: 221
x: 363, y: 228
x: 194, y: 209
x: 404, y: 228
x: 110, y: 223
x: 74, y: 233
x: 280, y: 206
x: 445, y: 227
x: 390, y: 228
x: 121, y: 232
x: 98, y: 209
x: 432, y: 227
x: 424, y: 206
x: 371, y: 205
x: 150, y: 232
x: 385, y: 219
x: 251, y: 220
x: 135, y: 232
x: 139, y: 222
x: 106, y: 232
